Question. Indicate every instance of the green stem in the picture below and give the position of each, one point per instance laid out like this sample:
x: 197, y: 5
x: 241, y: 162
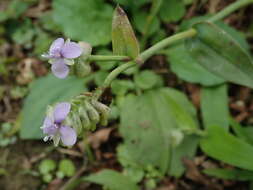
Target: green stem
x: 229, y: 9
x: 98, y: 92
x: 142, y: 57
x: 109, y: 58
x: 166, y: 42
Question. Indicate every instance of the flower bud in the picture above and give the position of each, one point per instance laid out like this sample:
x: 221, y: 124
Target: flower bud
x: 84, y: 118
x: 103, y: 110
x: 74, y: 121
x: 82, y: 69
x: 92, y: 113
x: 87, y: 49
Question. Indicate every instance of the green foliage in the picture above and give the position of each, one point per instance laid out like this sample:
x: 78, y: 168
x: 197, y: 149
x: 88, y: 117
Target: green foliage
x: 223, y: 146
x: 147, y: 79
x: 121, y: 87
x: 88, y: 20
x: 124, y: 41
x: 46, y: 166
x: 6, y: 135
x: 67, y: 167
x: 172, y: 10
x: 112, y: 180
x: 230, y: 174
x: 217, y: 51
x: 244, y: 133
x: 140, y: 21
x: 24, y: 33
x: 214, y: 106
x: 45, y: 91
x: 15, y: 9
x: 149, y: 121
x: 188, y: 68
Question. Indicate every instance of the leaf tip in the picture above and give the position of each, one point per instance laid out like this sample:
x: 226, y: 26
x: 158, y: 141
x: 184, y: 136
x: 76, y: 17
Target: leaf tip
x: 120, y: 11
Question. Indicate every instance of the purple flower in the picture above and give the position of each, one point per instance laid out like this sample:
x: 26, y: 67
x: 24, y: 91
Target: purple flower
x: 61, y: 54
x: 54, y: 128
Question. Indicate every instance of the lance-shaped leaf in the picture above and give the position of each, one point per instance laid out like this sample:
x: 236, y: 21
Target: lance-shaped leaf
x: 224, y: 146
x: 124, y: 41
x: 214, y: 106
x: 218, y: 52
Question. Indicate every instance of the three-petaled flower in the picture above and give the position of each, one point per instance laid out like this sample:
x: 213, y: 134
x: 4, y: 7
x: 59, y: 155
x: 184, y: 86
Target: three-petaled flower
x: 61, y: 54
x: 54, y: 128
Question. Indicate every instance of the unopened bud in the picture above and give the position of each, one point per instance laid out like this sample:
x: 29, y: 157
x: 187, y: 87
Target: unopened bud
x: 103, y: 110
x: 84, y: 118
x: 82, y: 69
x: 92, y: 113
x: 87, y: 49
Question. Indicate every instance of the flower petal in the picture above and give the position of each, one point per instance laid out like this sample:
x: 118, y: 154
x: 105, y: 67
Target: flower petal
x: 60, y: 69
x: 61, y: 111
x: 48, y: 122
x: 56, y: 46
x: 68, y: 135
x: 49, y: 127
x: 71, y: 50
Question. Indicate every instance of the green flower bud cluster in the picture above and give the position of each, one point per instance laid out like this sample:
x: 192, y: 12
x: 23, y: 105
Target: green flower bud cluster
x: 87, y: 113
x: 82, y: 67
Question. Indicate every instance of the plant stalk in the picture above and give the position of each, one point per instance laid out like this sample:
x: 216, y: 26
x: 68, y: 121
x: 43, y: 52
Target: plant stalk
x: 109, y: 58
x: 229, y: 9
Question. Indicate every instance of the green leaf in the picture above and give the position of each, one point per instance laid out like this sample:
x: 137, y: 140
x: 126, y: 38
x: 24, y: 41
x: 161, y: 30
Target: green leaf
x: 218, y: 52
x: 140, y: 22
x: 112, y: 180
x: 45, y: 91
x: 147, y: 79
x: 214, y: 106
x: 131, y: 169
x: 124, y: 41
x: 24, y: 34
x: 100, y: 76
x: 187, y: 149
x: 121, y: 87
x: 244, y: 133
x: 46, y: 166
x: 230, y: 174
x: 67, y: 167
x: 223, y: 146
x: 148, y: 122
x: 172, y: 10
x: 88, y: 20
x: 188, y: 68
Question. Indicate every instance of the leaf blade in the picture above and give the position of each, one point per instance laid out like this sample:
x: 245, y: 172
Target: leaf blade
x: 218, y: 52
x: 124, y: 41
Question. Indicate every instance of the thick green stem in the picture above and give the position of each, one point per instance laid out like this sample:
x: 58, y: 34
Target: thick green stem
x: 166, y: 42
x: 112, y: 76
x: 109, y: 58
x: 229, y: 9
